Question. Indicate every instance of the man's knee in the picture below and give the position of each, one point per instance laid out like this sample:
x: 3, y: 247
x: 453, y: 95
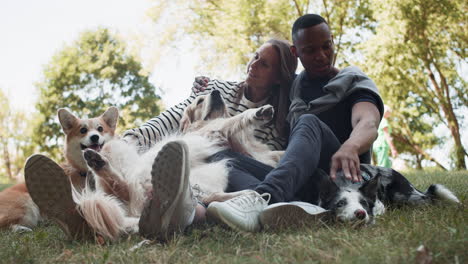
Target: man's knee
x: 308, y: 120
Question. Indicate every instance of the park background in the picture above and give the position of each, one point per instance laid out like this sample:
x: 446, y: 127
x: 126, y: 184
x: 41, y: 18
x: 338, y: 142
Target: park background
x: 142, y: 57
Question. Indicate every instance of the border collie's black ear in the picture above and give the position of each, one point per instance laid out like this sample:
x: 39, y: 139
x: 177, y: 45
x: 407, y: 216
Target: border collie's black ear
x: 67, y: 120
x: 327, y: 188
x: 370, y: 188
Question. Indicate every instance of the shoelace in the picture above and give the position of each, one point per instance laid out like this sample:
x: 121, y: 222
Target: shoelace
x: 249, y: 199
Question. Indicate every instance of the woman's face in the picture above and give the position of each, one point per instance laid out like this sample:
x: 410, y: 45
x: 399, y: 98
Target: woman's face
x: 263, y: 69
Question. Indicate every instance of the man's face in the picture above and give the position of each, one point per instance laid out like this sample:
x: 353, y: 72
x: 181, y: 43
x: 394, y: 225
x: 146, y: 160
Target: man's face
x: 314, y: 47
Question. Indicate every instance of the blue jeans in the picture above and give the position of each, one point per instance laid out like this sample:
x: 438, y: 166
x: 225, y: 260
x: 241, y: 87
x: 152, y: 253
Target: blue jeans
x: 311, y: 146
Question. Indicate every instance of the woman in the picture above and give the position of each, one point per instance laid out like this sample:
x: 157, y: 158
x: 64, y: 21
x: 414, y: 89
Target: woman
x: 172, y: 208
x: 269, y: 76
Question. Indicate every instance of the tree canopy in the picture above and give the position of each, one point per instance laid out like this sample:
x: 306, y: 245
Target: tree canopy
x: 87, y: 77
x: 414, y: 57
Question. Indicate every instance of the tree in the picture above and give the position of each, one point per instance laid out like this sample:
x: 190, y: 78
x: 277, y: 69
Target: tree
x: 87, y: 77
x: 415, y: 59
x: 15, y: 139
x: 233, y: 29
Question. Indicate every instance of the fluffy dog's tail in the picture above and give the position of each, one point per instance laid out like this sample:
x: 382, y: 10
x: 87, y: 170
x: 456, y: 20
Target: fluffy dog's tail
x: 440, y: 192
x: 104, y: 213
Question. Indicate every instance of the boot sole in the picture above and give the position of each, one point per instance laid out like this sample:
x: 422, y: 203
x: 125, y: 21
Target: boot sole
x: 50, y: 188
x: 286, y: 216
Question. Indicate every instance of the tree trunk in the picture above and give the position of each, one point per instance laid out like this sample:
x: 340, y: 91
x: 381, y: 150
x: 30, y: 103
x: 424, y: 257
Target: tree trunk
x: 6, y: 158
x: 447, y: 108
x: 419, y: 150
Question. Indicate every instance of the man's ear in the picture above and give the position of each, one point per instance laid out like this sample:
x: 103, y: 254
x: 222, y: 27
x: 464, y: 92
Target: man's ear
x: 187, y: 119
x: 293, y: 50
x: 67, y: 120
x: 111, y: 117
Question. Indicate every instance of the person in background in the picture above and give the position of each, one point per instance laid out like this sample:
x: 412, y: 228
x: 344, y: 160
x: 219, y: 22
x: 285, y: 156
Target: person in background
x: 384, y: 142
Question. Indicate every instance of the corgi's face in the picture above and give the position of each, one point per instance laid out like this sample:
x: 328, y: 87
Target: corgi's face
x: 204, y: 107
x: 90, y: 133
x: 350, y: 204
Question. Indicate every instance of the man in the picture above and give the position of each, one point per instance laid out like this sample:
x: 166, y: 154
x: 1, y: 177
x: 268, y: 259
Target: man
x: 334, y: 116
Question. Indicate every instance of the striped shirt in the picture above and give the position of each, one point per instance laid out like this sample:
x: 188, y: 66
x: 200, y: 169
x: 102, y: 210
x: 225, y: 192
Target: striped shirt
x: 168, y: 121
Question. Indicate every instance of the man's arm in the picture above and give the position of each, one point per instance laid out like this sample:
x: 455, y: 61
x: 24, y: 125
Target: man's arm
x: 365, y: 119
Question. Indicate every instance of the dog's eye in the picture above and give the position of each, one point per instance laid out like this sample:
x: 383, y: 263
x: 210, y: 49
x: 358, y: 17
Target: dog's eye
x: 341, y: 203
x: 363, y: 202
x: 100, y: 129
x: 200, y: 101
x: 83, y: 130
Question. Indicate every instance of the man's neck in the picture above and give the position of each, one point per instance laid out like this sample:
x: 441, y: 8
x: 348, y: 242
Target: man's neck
x: 328, y: 76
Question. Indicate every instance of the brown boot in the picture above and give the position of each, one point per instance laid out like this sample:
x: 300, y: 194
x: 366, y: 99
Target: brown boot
x: 50, y: 189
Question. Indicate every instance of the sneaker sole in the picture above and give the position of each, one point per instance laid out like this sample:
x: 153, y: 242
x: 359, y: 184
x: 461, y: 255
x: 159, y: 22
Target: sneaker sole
x: 283, y: 217
x: 167, y: 191
x: 50, y: 189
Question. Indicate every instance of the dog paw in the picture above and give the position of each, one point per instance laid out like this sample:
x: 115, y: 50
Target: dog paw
x: 265, y: 113
x: 94, y: 159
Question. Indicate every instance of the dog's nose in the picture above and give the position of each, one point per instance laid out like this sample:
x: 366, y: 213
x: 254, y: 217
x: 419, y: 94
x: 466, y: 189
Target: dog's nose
x: 215, y: 92
x: 360, y: 214
x: 94, y: 138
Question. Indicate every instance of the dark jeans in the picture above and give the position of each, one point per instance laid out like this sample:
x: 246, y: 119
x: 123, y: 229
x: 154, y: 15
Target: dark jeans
x: 311, y: 146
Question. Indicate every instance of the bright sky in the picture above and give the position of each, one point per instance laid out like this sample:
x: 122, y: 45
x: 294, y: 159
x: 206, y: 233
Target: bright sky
x: 32, y: 31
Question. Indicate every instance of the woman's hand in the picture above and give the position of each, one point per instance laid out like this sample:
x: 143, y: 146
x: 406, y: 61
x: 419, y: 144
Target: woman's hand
x: 200, y: 84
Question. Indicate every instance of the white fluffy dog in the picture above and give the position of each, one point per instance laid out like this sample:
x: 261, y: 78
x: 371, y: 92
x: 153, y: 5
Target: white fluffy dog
x: 124, y: 175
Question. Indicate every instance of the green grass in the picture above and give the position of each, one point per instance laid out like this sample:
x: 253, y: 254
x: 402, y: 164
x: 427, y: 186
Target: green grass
x: 393, y: 239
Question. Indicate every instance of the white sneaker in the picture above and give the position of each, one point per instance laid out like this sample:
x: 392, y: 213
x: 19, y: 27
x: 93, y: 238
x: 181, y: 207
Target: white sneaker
x: 292, y: 215
x: 241, y: 212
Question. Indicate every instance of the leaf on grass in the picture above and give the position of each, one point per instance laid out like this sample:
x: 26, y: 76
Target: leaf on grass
x: 140, y: 244
x: 423, y: 255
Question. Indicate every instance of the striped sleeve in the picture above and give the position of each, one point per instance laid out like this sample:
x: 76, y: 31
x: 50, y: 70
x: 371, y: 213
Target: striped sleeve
x: 164, y: 124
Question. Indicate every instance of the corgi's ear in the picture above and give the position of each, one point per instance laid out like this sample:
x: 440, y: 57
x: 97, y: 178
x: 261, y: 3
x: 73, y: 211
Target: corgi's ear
x: 369, y: 189
x: 187, y: 119
x: 67, y: 120
x: 111, y: 116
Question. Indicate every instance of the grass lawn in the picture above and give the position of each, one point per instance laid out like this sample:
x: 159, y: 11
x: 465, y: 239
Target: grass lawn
x: 393, y: 239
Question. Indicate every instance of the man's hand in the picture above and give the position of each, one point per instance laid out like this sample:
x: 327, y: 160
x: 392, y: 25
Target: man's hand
x: 365, y: 119
x: 347, y: 159
x: 200, y: 83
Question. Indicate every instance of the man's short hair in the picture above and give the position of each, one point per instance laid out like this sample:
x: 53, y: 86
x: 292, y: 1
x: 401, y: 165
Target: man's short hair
x: 305, y: 21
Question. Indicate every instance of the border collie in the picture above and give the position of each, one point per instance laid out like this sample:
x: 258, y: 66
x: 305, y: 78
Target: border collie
x: 361, y: 202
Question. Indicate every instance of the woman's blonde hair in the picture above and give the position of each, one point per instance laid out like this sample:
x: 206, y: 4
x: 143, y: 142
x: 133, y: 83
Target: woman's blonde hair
x: 279, y: 98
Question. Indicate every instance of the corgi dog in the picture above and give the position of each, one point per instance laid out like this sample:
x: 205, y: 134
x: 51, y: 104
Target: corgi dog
x: 361, y: 202
x: 207, y: 130
x: 17, y: 210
